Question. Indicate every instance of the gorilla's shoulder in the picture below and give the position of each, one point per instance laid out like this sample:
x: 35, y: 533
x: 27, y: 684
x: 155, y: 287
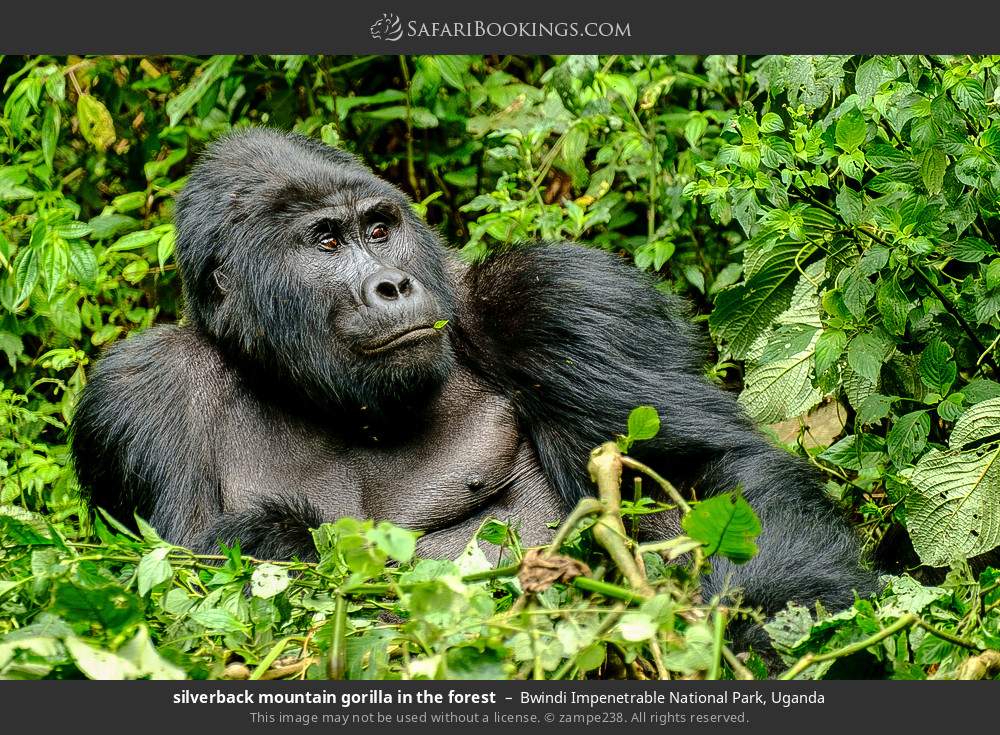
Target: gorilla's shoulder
x: 163, y: 362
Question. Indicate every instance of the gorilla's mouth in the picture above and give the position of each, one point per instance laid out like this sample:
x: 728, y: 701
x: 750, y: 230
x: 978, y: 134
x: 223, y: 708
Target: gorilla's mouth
x: 400, y: 339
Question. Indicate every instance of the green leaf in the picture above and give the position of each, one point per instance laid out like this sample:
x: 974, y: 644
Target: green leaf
x: 697, y: 653
x: 724, y: 524
x: 153, y: 569
x: 268, y: 580
x: 743, y: 312
x: 129, y: 202
x: 937, y: 369
x: 50, y: 133
x: 981, y: 421
x: 694, y: 128
x: 165, y: 247
x: 96, y: 125
x: 953, y: 512
x: 851, y: 130
x: 971, y: 250
x: 893, y: 305
x: 395, y: 542
x: 829, y: 348
x: 858, y: 291
x: 775, y: 391
x: 26, y: 274
x: 874, y: 408
x: 850, y: 204
x: 872, y: 74
x: 933, y: 164
x: 908, y: 437
x: 771, y: 123
x: 99, y: 665
x: 141, y: 653
x: 218, y: 620
x: 855, y: 452
x: 136, y: 240
x: 108, y: 606
x: 135, y: 271
x: 213, y: 70
x: 865, y: 355
x: 55, y: 264
x: 643, y: 423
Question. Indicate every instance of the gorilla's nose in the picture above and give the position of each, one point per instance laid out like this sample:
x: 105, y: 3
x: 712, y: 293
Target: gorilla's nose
x: 390, y: 287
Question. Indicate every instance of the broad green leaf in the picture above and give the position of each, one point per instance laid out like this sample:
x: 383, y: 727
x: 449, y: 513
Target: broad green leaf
x: 218, y: 620
x: 771, y: 123
x: 858, y: 292
x: 129, y: 202
x: 54, y: 265
x: 397, y: 543
x: 724, y: 524
x: 107, y: 605
x: 154, y: 568
x: 697, y: 653
x: 937, y: 369
x: 953, y: 511
x: 743, y: 312
x: 851, y: 130
x: 135, y: 271
x: 972, y: 250
x: 893, y: 305
x: 855, y: 452
x: 779, y: 390
x: 865, y: 355
x: 850, y: 204
x: 83, y: 263
x: 50, y: 133
x: 874, y: 408
x: 98, y: 664
x: 26, y: 273
x: 933, y: 163
x: 981, y: 421
x: 136, y: 240
x: 829, y: 349
x: 148, y: 663
x: 212, y: 71
x: 908, y: 437
x: 165, y: 247
x: 694, y: 128
x: 268, y: 580
x: 96, y: 125
x: 643, y: 423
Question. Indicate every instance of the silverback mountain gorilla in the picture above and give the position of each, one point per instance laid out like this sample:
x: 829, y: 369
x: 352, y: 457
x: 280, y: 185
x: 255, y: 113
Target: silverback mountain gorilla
x: 312, y: 379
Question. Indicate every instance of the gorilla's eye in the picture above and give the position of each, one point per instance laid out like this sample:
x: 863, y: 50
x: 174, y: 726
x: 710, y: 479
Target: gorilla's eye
x: 378, y: 231
x: 328, y: 241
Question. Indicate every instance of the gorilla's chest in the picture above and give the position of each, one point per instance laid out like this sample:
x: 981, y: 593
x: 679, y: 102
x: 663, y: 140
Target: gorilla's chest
x: 459, y: 458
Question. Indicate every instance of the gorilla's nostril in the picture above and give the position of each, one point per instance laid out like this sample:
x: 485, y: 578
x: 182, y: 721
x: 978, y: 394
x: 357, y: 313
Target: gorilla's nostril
x: 390, y: 288
x: 388, y: 291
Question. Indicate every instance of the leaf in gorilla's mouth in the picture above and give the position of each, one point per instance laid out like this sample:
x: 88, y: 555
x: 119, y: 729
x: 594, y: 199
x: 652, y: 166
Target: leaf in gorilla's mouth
x: 401, y: 339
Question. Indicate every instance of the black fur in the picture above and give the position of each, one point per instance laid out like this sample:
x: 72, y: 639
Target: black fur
x: 265, y: 414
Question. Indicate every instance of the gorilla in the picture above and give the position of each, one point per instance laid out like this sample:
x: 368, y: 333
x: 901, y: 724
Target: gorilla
x: 336, y: 359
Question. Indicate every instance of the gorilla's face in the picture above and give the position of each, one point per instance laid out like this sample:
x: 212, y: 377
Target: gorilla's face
x: 311, y: 266
x: 361, y: 252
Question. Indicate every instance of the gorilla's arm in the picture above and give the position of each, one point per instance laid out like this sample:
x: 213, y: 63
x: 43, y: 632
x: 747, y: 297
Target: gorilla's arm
x: 142, y: 437
x: 578, y: 339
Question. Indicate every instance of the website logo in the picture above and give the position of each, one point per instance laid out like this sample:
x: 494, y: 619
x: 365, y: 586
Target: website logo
x: 387, y: 28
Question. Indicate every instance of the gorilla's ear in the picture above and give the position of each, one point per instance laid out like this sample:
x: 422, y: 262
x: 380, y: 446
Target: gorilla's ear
x: 223, y: 283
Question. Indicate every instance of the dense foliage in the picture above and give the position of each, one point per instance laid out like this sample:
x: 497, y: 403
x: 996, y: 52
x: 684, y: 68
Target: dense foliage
x: 835, y: 218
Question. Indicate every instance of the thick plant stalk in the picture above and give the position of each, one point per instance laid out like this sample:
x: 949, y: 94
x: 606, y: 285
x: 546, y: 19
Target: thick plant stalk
x: 605, y: 469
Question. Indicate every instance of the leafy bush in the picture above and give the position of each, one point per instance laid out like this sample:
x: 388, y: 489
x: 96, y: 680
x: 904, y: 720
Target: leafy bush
x: 834, y: 218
